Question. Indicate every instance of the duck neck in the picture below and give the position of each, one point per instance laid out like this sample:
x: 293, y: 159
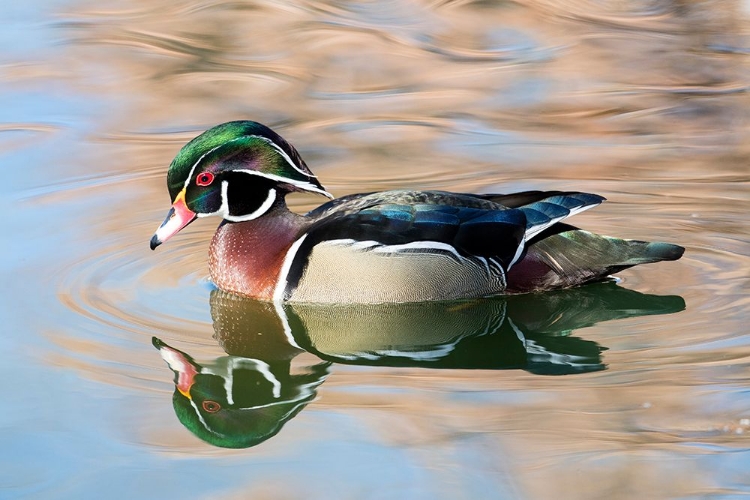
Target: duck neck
x: 246, y: 257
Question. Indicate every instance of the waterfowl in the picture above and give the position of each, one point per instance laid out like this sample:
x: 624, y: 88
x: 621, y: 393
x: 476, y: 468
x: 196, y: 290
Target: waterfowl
x: 382, y: 247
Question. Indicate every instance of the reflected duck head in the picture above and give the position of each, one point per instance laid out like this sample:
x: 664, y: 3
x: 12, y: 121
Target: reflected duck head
x: 236, y: 402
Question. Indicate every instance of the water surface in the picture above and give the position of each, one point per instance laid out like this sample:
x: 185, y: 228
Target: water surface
x: 626, y: 396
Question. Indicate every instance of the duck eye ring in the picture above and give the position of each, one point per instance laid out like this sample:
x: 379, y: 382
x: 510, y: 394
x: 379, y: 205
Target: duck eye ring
x: 211, y: 406
x: 204, y: 178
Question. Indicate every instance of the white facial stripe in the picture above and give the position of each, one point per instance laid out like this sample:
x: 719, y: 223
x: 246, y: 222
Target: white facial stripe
x: 202, y: 420
x: 265, y: 206
x: 302, y: 184
x: 224, y: 208
x: 195, y: 165
x: 223, y: 211
x: 278, y: 294
x: 284, y: 155
x: 192, y: 169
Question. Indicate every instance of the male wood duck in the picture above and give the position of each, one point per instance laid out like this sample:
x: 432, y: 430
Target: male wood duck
x: 391, y: 246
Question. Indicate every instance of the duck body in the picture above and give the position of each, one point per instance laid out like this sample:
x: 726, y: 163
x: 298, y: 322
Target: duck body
x: 391, y: 246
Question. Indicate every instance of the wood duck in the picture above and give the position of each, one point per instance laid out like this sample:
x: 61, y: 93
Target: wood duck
x: 382, y: 247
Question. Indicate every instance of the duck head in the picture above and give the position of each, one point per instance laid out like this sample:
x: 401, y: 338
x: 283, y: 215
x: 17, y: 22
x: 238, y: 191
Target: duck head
x: 238, y: 170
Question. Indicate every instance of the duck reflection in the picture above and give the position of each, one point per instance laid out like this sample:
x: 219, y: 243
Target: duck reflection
x: 243, y: 399
x: 238, y: 402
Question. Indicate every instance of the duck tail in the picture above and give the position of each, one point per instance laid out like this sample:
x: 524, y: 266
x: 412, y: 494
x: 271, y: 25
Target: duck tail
x: 645, y: 252
x: 565, y: 256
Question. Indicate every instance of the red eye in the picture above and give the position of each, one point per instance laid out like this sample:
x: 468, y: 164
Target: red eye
x: 204, y: 179
x: 211, y: 406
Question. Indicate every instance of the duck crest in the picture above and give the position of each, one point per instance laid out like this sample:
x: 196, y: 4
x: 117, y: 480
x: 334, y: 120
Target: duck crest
x: 234, y: 140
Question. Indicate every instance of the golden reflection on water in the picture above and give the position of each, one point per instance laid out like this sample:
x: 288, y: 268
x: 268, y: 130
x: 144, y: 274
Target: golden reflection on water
x: 642, y: 102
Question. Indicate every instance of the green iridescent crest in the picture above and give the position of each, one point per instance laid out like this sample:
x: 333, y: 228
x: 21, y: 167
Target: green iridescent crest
x: 241, y: 146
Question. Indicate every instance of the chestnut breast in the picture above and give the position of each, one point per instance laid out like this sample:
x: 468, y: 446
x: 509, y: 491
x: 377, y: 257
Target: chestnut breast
x: 246, y: 257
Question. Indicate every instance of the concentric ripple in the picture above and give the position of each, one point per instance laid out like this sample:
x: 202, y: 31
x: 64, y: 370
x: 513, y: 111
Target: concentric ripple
x: 128, y: 293
x: 113, y: 293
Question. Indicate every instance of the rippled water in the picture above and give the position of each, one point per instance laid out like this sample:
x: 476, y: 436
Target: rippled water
x: 642, y: 102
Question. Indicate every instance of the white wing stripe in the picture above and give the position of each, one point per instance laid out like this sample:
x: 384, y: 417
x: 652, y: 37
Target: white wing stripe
x: 374, y: 246
x: 534, y: 230
x: 420, y: 245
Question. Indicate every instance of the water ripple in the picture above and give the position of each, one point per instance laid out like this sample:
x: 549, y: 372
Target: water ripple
x: 129, y: 294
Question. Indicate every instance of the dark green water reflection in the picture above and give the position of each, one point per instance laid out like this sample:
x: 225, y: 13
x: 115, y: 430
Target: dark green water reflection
x: 245, y: 398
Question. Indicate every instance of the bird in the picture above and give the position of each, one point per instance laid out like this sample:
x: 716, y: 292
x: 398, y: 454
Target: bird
x: 393, y: 246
